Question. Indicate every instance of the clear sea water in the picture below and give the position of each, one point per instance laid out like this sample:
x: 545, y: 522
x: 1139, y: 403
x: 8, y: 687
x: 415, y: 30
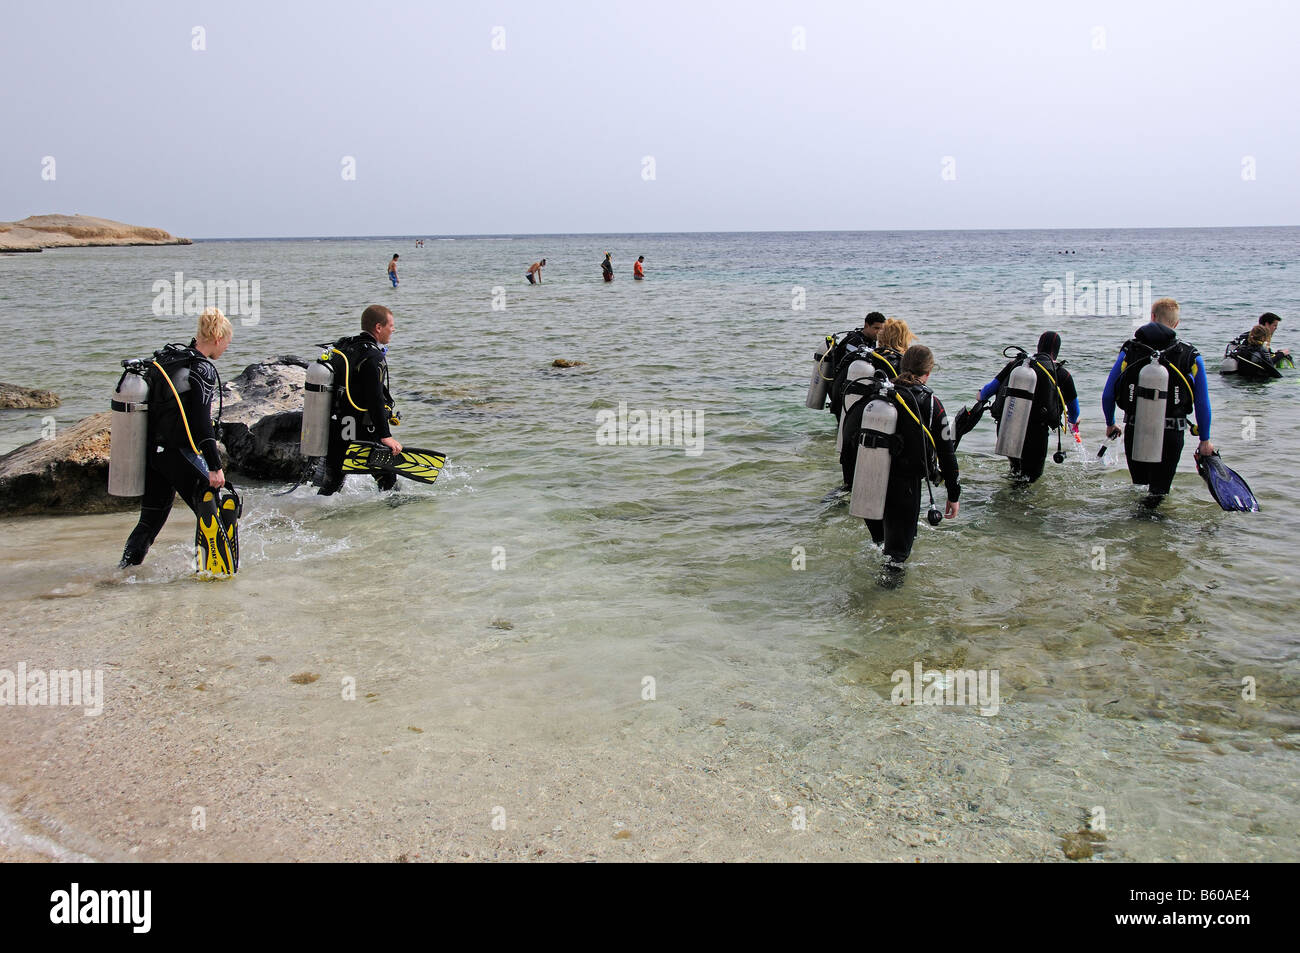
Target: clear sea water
x: 1122, y: 686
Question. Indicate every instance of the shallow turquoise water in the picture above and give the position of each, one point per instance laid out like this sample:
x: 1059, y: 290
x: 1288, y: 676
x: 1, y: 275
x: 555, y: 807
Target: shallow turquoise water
x: 624, y: 560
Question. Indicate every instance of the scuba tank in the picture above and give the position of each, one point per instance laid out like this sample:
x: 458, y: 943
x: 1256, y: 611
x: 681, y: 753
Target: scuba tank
x: 871, y: 473
x: 858, y: 370
x: 317, y: 405
x: 816, y: 398
x: 1021, y: 385
x: 129, y: 434
x: 1149, y: 400
x: 1229, y: 365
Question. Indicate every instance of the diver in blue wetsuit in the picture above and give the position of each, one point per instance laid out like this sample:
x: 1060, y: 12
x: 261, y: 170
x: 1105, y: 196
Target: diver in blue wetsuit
x: 1187, y: 390
x: 1054, y: 394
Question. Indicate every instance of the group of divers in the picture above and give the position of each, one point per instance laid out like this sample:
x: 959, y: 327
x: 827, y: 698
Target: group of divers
x: 894, y: 432
x: 534, y: 272
x: 893, y: 429
x: 164, y: 438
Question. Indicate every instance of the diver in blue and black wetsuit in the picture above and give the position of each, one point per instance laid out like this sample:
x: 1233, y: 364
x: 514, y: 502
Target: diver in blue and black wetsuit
x: 1055, y: 393
x: 1187, y: 390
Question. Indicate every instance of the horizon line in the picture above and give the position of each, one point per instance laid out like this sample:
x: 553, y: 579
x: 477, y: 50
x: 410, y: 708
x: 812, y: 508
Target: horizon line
x: 768, y: 230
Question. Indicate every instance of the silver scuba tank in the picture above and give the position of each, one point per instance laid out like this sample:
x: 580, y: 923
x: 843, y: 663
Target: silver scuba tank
x: 1150, y: 400
x: 317, y: 403
x: 816, y: 398
x: 1229, y: 365
x: 871, y: 470
x: 858, y: 370
x: 129, y: 433
x: 1019, y: 405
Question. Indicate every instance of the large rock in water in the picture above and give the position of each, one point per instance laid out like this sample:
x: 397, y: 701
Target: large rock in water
x: 263, y: 419
x: 69, y: 473
x: 26, y: 398
x: 66, y: 474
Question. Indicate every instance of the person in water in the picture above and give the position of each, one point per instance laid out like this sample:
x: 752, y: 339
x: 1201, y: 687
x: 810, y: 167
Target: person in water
x: 535, y: 271
x: 1254, y: 359
x: 1268, y: 321
x: 607, y: 267
x: 363, y: 406
x: 182, y: 442
x: 1188, y: 390
x: 924, y: 440
x: 1055, y: 393
x: 891, y: 341
x: 638, y: 270
x: 893, y: 338
x: 392, y: 271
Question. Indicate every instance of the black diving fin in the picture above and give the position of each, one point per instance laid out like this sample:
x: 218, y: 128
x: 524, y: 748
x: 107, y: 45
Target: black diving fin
x: 966, y: 420
x: 1229, y: 490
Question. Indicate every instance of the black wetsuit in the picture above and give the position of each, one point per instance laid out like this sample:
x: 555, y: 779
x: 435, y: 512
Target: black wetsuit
x: 173, y: 466
x: 908, y: 467
x: 607, y: 270
x: 1047, y: 411
x: 1187, y: 390
x: 366, y: 376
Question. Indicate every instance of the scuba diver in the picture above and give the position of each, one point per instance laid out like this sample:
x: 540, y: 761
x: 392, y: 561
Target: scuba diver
x: 843, y: 350
x: 1251, y: 354
x: 607, y: 268
x: 882, y: 356
x: 903, y: 439
x: 1045, y: 389
x: 171, y: 447
x: 1157, y: 380
x: 363, y: 406
x: 1250, y: 358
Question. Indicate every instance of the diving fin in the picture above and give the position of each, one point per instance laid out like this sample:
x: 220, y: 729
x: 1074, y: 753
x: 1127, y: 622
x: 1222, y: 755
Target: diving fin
x: 1229, y: 490
x: 422, y: 466
x: 216, y: 539
x: 966, y: 421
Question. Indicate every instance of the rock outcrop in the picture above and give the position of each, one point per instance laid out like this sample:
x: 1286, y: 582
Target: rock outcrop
x: 69, y: 473
x: 26, y: 398
x: 65, y: 474
x: 69, y: 231
x: 263, y: 419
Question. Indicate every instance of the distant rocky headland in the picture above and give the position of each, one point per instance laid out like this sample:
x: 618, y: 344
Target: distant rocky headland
x: 76, y: 231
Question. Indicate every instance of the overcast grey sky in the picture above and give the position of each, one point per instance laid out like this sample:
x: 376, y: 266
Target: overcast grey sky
x: 1053, y: 114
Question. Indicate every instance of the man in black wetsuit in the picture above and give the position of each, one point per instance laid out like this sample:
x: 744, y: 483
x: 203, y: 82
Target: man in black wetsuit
x: 1055, y: 394
x: 182, y: 443
x: 363, y: 406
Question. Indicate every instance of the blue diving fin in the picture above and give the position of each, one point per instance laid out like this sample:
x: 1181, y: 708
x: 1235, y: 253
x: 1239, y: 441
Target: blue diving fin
x: 1229, y: 490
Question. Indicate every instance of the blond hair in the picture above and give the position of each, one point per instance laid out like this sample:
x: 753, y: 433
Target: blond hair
x: 895, y: 335
x: 214, y: 326
x: 1165, y: 311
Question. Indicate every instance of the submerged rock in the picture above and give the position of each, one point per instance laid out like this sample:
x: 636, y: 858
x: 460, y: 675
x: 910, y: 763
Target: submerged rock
x: 26, y: 398
x: 561, y: 362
